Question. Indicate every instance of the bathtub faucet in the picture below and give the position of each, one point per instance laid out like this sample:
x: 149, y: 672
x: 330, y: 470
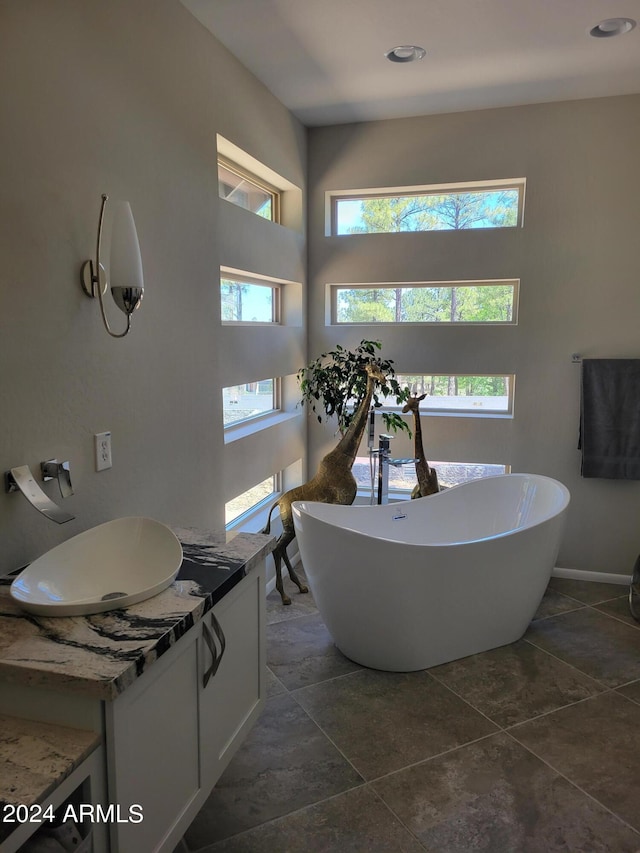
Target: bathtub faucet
x: 384, y: 455
x: 384, y: 460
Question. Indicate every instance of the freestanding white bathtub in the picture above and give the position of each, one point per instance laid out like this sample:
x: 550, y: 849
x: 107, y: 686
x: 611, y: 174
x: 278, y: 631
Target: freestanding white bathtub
x: 413, y: 584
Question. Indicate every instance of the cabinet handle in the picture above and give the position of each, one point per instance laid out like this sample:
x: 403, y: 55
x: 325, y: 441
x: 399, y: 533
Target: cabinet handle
x: 217, y: 627
x: 208, y: 638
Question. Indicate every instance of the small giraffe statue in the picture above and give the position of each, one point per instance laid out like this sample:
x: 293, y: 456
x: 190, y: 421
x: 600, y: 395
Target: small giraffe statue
x: 427, y: 477
x: 333, y: 483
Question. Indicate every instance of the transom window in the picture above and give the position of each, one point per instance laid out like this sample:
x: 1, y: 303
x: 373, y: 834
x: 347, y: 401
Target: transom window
x: 246, y: 190
x: 451, y: 207
x: 252, y: 499
x: 478, y: 395
x: 425, y: 302
x: 248, y: 300
x: 250, y: 400
x: 402, y: 478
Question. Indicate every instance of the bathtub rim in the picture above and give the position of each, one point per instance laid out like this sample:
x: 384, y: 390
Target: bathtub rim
x: 299, y: 508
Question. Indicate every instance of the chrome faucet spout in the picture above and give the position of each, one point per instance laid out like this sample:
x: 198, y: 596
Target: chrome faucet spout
x: 54, y: 470
x: 22, y: 479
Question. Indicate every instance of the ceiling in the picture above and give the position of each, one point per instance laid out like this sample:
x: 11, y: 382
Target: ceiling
x: 324, y: 59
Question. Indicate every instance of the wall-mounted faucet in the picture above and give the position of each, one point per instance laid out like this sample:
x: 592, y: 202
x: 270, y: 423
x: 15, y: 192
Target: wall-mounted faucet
x: 54, y: 470
x: 21, y: 479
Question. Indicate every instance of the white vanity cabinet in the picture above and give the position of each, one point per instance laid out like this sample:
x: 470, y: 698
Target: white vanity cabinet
x: 152, y: 749
x: 170, y: 735
x: 164, y: 692
x: 230, y: 702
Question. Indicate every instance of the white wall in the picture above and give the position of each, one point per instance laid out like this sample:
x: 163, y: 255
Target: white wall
x: 127, y: 98
x: 577, y: 260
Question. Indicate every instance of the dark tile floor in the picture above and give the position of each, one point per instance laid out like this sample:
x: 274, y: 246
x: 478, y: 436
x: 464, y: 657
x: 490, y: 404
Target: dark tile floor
x: 530, y: 748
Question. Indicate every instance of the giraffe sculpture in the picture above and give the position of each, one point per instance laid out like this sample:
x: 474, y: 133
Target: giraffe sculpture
x: 427, y: 476
x: 333, y: 483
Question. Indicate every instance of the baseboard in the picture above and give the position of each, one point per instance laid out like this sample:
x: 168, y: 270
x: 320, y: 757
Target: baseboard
x: 597, y: 577
x: 270, y: 585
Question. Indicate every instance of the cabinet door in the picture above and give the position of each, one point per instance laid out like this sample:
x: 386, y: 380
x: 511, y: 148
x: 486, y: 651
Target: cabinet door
x: 152, y: 748
x: 233, y: 697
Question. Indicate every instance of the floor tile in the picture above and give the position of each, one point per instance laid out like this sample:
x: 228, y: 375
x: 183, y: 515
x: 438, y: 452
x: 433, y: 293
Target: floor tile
x: 602, y: 647
x: 619, y: 607
x: 355, y: 822
x: 596, y: 745
x: 455, y: 780
x: 285, y: 763
x: 588, y: 592
x: 274, y: 685
x: 554, y: 602
x: 495, y: 796
x: 302, y: 603
x: 383, y: 721
x: 632, y: 691
x: 301, y: 651
x: 515, y: 683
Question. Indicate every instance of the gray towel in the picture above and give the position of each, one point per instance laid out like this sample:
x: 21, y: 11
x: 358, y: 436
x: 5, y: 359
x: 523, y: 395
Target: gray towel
x: 610, y: 418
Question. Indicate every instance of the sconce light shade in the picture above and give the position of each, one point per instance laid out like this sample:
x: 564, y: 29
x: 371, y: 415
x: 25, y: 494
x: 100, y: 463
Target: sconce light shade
x: 125, y: 267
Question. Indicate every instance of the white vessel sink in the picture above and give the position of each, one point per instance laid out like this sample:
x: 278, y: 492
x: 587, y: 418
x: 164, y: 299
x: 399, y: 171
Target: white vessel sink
x: 110, y: 566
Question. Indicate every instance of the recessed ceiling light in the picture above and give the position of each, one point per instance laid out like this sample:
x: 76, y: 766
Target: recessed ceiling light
x: 612, y: 27
x: 405, y: 53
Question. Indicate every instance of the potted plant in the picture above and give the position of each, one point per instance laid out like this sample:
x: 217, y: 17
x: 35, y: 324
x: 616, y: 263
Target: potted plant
x: 335, y: 383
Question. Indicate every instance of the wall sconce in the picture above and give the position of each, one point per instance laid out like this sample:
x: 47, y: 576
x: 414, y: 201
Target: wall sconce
x: 125, y: 268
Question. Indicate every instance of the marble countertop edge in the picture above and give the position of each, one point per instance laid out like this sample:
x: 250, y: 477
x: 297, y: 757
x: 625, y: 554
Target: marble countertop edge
x: 100, y: 656
x: 35, y: 758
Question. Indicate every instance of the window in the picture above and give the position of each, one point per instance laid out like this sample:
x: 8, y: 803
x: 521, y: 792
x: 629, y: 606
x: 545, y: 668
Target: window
x: 252, y: 499
x: 452, y: 207
x: 247, y: 300
x: 425, y: 302
x: 403, y: 478
x: 249, y: 400
x: 477, y: 395
x: 248, y: 191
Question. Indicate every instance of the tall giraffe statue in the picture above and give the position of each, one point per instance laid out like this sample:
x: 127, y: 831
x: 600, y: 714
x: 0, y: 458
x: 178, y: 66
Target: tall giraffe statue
x: 427, y: 476
x: 333, y: 483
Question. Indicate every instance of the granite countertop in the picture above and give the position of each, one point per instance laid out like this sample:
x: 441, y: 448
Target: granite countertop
x: 101, y: 655
x: 35, y: 758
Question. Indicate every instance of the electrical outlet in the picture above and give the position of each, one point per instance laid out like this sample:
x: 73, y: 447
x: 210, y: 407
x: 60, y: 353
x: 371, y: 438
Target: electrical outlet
x: 103, y: 450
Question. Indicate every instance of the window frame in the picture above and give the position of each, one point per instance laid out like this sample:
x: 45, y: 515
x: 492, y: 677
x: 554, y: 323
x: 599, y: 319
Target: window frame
x: 242, y: 517
x: 276, y: 288
x: 403, y: 493
x: 469, y: 411
x: 257, y: 182
x: 388, y: 285
x: 336, y: 196
x: 253, y: 419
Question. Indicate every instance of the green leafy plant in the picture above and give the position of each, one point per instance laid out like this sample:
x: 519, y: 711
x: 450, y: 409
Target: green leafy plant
x: 335, y: 383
